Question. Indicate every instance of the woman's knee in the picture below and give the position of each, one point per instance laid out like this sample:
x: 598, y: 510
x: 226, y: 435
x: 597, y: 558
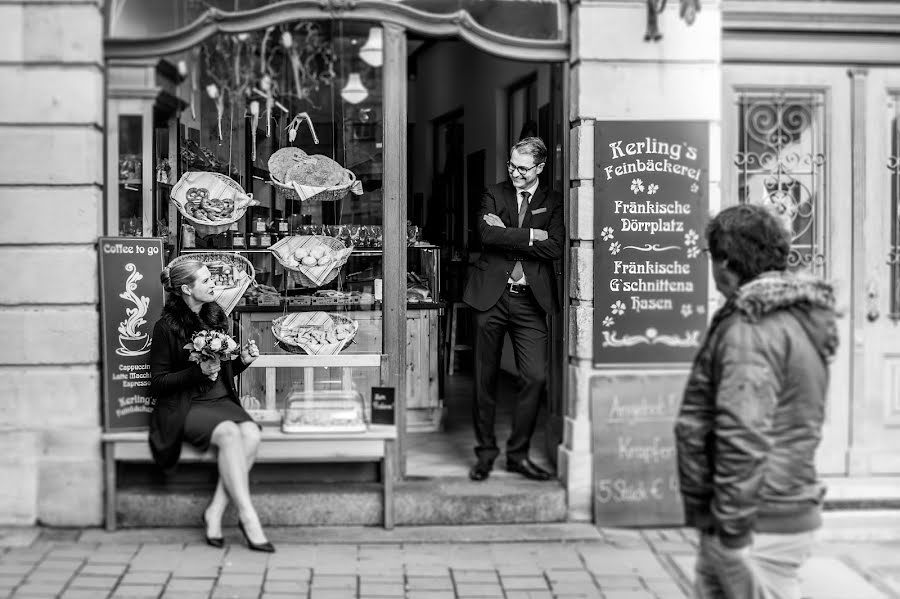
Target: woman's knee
x: 251, y: 434
x: 226, y: 433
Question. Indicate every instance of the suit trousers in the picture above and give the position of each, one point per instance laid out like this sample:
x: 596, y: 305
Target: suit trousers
x: 525, y: 321
x: 767, y: 569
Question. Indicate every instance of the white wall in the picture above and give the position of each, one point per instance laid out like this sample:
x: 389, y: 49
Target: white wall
x: 616, y: 75
x: 51, y: 199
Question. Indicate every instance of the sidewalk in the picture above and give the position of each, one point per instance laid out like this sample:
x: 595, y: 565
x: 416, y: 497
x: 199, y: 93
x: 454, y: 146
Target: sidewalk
x: 858, y: 558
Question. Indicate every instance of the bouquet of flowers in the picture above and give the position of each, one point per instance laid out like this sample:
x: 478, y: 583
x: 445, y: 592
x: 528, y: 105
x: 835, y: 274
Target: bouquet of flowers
x: 211, y: 345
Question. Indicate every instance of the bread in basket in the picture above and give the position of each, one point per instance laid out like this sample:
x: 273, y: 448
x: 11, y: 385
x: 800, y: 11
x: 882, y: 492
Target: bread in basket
x: 312, y: 260
x: 298, y: 175
x: 314, y: 333
x: 231, y: 274
x: 210, y: 201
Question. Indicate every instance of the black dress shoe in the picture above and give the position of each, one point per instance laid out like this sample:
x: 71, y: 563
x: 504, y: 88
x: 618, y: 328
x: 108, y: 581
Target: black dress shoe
x: 480, y: 471
x: 266, y: 547
x: 217, y: 542
x: 528, y: 469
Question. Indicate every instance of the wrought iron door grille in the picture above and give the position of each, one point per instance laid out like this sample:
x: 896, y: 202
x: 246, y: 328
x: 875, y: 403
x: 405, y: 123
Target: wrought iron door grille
x: 893, y: 165
x: 782, y: 162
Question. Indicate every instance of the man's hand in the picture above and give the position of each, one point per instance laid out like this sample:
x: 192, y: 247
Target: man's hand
x: 540, y: 234
x: 494, y: 221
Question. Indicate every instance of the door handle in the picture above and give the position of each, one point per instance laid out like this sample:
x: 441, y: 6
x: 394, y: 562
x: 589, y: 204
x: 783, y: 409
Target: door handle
x: 872, y: 312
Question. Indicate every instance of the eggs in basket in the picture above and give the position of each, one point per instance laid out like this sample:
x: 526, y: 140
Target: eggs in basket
x: 320, y: 255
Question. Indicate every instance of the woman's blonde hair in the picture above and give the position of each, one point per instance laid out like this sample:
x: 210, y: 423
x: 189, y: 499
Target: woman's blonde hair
x: 183, y: 273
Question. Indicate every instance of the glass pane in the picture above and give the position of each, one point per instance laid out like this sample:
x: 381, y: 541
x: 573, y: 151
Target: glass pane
x: 315, y: 87
x: 130, y: 179
x: 781, y: 163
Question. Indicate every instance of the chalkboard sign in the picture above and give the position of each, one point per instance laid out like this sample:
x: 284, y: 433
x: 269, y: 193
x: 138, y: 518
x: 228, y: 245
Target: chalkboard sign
x: 131, y: 301
x: 650, y: 210
x: 635, y: 469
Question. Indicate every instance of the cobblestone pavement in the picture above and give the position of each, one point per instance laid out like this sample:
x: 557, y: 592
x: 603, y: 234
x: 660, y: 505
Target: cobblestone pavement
x: 512, y: 562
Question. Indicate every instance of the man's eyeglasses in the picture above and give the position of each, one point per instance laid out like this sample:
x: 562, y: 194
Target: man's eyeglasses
x: 521, y: 169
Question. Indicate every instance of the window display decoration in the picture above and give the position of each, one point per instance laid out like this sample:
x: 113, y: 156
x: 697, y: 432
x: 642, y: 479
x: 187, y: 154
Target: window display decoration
x: 245, y: 66
x: 312, y: 260
x: 211, y: 201
x: 314, y: 333
x: 231, y: 274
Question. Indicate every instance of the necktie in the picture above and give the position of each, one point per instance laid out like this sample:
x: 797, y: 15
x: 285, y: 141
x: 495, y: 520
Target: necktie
x: 517, y: 272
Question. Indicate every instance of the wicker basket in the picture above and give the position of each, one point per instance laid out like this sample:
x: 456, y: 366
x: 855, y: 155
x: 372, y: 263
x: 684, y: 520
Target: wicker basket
x: 321, y: 321
x: 219, y: 186
x: 225, y: 296
x: 311, y: 276
x: 312, y: 193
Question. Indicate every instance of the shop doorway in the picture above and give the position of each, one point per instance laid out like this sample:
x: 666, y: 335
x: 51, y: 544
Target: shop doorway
x: 465, y: 109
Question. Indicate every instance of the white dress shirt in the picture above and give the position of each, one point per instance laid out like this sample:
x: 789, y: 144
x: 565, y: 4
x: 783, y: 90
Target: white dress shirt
x: 530, y: 191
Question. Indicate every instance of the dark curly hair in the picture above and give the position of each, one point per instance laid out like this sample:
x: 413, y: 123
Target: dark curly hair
x: 751, y: 238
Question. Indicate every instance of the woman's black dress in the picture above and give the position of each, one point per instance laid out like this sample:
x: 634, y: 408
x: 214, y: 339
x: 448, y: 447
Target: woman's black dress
x: 181, y: 391
x: 208, y: 410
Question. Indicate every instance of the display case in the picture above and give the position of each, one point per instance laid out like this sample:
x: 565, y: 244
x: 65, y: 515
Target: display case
x: 354, y: 294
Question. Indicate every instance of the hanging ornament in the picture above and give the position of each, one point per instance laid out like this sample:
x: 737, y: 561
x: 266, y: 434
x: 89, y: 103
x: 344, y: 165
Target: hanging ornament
x: 195, y: 85
x: 295, y: 124
x: 254, y: 124
x: 212, y: 90
x: 266, y: 85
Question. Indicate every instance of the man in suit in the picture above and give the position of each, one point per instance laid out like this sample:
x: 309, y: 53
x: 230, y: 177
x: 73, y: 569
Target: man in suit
x: 512, y: 288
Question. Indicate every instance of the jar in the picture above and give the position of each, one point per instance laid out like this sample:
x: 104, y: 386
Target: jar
x: 187, y: 236
x: 265, y: 239
x: 282, y: 227
x: 259, y: 225
x: 238, y: 241
x: 253, y: 241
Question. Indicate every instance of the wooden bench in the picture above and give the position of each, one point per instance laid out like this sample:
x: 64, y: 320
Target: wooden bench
x: 377, y: 444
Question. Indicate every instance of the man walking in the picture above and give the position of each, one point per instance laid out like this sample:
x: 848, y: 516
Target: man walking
x: 512, y: 287
x: 752, y: 413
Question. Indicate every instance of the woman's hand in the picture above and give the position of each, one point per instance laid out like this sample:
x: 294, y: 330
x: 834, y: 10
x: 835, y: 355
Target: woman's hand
x: 249, y: 352
x: 211, y: 368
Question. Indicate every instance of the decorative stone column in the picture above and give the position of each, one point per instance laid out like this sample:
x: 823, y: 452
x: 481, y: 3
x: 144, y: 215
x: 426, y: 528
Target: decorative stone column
x: 617, y: 76
x: 51, y: 198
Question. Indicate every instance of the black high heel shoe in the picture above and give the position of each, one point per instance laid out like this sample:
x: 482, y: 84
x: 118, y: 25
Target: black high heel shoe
x: 266, y: 547
x: 217, y: 542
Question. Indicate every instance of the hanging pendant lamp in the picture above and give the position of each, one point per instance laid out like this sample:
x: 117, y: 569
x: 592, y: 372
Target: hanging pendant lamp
x: 354, y: 91
x: 371, y: 50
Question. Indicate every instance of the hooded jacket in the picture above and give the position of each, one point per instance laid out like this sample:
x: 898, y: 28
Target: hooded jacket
x: 753, y: 408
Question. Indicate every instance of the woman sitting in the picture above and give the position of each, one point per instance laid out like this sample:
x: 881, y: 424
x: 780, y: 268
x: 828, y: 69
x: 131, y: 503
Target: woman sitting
x: 198, y: 402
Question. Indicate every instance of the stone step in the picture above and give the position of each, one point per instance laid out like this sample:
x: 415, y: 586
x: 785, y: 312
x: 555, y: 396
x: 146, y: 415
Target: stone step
x: 436, y: 501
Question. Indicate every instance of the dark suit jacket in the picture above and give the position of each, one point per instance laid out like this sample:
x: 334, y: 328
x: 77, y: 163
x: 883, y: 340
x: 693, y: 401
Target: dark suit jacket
x: 501, y: 248
x: 174, y: 381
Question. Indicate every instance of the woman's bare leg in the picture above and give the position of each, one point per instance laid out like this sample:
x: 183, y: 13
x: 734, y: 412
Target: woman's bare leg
x: 228, y: 439
x: 250, y: 438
